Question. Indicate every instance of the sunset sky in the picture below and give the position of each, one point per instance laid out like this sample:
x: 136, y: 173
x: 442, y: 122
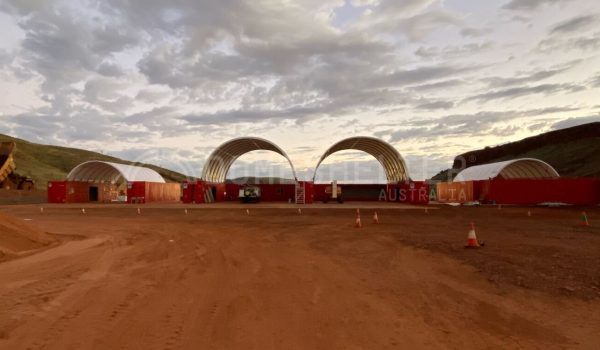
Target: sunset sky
x: 166, y: 82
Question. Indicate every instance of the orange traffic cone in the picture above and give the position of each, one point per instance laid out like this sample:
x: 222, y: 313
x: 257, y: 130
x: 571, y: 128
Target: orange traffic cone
x: 375, y: 218
x: 472, y: 241
x: 357, y: 223
x: 584, y: 219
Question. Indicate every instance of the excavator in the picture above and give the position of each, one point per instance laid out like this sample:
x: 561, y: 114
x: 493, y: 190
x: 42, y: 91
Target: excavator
x: 8, y: 178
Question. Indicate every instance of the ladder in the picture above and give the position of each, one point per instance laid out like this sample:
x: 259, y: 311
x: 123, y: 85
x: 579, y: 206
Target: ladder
x: 300, y: 191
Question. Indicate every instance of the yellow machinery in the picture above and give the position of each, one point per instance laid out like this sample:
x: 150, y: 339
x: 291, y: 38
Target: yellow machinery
x: 8, y: 179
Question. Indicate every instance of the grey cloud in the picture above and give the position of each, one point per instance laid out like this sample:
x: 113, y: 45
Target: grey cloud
x: 569, y: 122
x: 557, y: 43
x: 475, y: 32
x: 436, y: 105
x: 575, y: 24
x: 532, y: 77
x: 530, y: 5
x: 483, y: 123
x: 453, y: 50
x: 516, y: 92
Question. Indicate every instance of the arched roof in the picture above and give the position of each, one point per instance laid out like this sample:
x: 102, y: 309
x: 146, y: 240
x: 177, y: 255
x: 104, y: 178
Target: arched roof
x: 220, y: 160
x: 99, y: 171
x: 523, y: 168
x: 391, y: 160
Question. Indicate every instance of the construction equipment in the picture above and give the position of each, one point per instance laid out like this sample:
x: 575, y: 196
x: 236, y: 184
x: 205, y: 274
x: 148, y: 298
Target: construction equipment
x: 333, y: 192
x: 249, y: 194
x: 8, y: 178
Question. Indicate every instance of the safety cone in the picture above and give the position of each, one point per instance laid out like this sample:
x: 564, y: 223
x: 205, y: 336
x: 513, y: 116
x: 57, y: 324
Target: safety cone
x: 83, y: 210
x: 358, y: 224
x: 247, y: 211
x: 584, y: 220
x: 472, y: 241
x: 139, y: 211
x: 375, y: 218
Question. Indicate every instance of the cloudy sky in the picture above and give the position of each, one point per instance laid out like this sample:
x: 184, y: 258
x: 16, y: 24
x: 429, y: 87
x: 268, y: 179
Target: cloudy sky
x: 167, y: 81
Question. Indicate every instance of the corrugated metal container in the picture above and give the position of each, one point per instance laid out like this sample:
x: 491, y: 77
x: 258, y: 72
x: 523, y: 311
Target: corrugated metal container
x: 577, y: 191
x: 455, y: 192
x: 187, y: 192
x: 414, y: 192
x: 146, y: 192
x: 57, y: 192
x: 309, y: 191
x: 192, y: 192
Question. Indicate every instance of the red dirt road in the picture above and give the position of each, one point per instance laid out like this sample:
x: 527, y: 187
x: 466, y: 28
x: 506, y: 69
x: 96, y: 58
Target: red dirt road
x: 219, y: 279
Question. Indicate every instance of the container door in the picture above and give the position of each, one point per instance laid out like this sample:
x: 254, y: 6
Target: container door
x: 93, y: 194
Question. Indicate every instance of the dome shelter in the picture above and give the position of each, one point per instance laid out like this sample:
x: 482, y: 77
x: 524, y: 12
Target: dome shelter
x: 523, y: 168
x: 390, y: 159
x: 99, y: 171
x: 220, y: 160
x: 107, y: 182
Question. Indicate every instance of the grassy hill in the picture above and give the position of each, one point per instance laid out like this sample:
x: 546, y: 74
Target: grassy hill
x: 573, y: 152
x: 43, y: 162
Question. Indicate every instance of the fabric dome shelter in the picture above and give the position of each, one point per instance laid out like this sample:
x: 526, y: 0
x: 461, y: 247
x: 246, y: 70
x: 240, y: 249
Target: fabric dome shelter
x: 390, y: 159
x: 100, y: 171
x: 523, y: 168
x: 220, y: 160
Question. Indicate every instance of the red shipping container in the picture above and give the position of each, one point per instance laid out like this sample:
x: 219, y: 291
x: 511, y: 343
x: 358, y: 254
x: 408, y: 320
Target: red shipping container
x: 414, y: 192
x: 146, y: 192
x: 188, y: 190
x: 57, y: 192
x: 577, y: 191
x: 455, y: 192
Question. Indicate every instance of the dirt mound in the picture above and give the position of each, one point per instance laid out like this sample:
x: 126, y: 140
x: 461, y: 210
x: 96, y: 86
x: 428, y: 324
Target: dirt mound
x: 17, y: 237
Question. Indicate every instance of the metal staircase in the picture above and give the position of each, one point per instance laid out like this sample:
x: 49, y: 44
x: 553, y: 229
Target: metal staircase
x: 300, y: 192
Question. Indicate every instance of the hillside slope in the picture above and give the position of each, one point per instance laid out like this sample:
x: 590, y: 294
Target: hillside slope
x: 43, y: 162
x: 573, y: 152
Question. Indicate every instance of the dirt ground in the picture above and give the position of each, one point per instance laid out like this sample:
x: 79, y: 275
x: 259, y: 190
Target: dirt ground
x: 218, y: 278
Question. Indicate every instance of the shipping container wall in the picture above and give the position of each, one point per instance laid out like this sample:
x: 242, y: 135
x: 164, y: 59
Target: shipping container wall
x: 188, y: 191
x: 146, y: 192
x: 278, y: 192
x: 359, y: 192
x: 192, y: 192
x: 583, y: 191
x: 233, y: 192
x: 455, y: 192
x: 136, y: 192
x: 162, y: 192
x: 199, y: 192
x: 415, y: 192
x: 309, y: 191
x: 57, y: 192
x: 268, y: 192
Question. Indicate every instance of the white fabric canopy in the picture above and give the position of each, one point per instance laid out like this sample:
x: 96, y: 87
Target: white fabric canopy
x: 99, y: 171
x: 523, y: 168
